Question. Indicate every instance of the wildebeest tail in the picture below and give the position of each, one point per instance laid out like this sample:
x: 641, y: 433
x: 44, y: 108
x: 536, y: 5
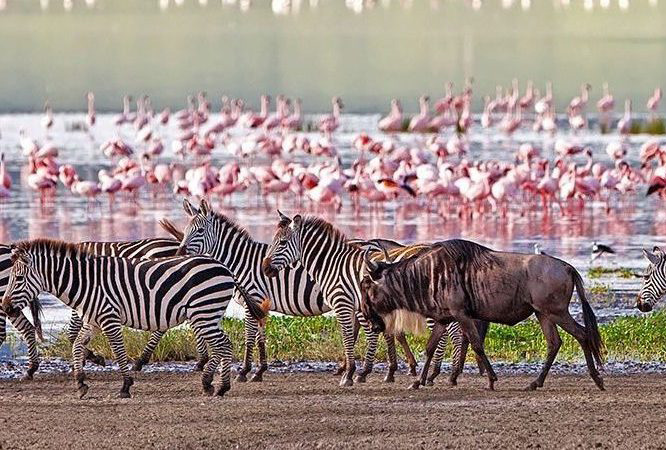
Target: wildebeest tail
x: 590, y: 320
x: 170, y: 228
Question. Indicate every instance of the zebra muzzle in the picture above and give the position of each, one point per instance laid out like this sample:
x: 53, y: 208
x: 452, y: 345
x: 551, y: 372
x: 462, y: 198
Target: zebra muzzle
x: 267, y: 267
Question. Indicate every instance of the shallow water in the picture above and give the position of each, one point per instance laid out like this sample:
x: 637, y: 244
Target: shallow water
x: 632, y: 223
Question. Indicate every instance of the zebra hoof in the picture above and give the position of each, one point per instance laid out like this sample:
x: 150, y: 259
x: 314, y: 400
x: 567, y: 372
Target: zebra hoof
x: 412, y: 370
x: 360, y: 378
x: 453, y: 383
x: 414, y: 386
x: 123, y: 394
x: 99, y: 360
x: 208, y: 389
x: 27, y: 377
x: 241, y: 377
x: 257, y: 378
x: 201, y: 365
x: 339, y: 371
x: 532, y: 386
x: 221, y: 390
x: 346, y: 382
x: 82, y: 390
x: 429, y: 383
x: 138, y: 365
x: 389, y: 379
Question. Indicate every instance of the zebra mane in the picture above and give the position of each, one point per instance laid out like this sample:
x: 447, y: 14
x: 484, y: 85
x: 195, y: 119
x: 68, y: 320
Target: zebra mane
x: 49, y: 245
x: 325, y: 226
x: 232, y: 224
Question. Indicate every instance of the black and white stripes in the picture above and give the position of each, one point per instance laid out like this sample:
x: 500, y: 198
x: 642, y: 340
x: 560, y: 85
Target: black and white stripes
x: 146, y: 294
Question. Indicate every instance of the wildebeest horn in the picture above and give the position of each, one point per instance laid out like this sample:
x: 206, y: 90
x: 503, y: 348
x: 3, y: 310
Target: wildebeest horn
x: 370, y: 264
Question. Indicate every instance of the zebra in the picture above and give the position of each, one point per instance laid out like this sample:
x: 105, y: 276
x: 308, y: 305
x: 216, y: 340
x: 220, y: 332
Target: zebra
x: 147, y: 294
x: 143, y: 248
x: 335, y: 264
x: 293, y: 292
x: 654, y: 280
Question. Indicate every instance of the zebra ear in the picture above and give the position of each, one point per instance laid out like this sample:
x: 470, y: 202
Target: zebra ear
x: 284, y: 220
x: 657, y: 251
x: 204, y: 207
x: 652, y: 257
x: 21, y: 256
x: 189, y: 208
x: 297, y: 222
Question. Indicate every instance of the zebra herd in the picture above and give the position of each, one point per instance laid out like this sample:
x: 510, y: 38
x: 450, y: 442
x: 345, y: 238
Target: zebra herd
x: 156, y: 284
x: 151, y: 285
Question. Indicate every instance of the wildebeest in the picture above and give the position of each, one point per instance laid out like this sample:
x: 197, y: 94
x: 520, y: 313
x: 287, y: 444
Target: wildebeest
x: 463, y: 281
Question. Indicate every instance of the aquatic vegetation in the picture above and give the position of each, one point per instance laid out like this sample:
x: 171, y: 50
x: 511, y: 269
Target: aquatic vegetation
x: 621, y: 272
x: 318, y: 339
x: 599, y: 289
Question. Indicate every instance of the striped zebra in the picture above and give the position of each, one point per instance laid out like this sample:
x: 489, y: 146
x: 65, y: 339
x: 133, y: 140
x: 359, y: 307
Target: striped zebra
x: 144, y: 248
x: 292, y: 293
x: 147, y: 294
x: 334, y: 263
x: 654, y: 280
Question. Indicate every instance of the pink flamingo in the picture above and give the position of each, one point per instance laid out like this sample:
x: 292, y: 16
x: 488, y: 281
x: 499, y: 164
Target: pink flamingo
x: 393, y: 121
x: 653, y: 101
x: 5, y: 179
x: 47, y: 119
x: 91, y: 117
x: 295, y: 120
x: 419, y: 123
x: 329, y: 123
x: 624, y: 124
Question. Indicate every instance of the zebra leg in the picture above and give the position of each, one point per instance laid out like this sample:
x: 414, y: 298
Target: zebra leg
x: 411, y: 360
x: 202, y: 353
x: 75, y: 324
x: 459, y: 357
x: 345, y: 314
x: 439, y: 355
x: 263, y: 364
x: 343, y: 367
x: 225, y: 365
x: 251, y: 326
x: 3, y: 326
x: 113, y: 332
x: 393, y: 360
x: 27, y: 332
x: 433, y: 341
x: 82, y: 338
x: 148, y: 351
x: 371, y: 338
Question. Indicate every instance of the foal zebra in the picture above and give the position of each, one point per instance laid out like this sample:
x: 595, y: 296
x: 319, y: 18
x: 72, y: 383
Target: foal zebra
x: 293, y: 292
x: 146, y: 294
x: 336, y: 265
x: 144, y: 248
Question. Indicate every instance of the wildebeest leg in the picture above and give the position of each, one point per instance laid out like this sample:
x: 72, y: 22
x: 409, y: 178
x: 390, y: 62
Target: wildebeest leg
x: 553, y: 342
x: 411, y: 361
x: 435, y: 336
x: 572, y: 327
x: 483, y: 330
x: 343, y: 367
x: 392, y: 357
x: 469, y: 327
x: 371, y: 340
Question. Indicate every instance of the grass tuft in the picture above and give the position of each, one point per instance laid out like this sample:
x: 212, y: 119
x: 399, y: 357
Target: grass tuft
x: 640, y: 338
x: 598, y: 272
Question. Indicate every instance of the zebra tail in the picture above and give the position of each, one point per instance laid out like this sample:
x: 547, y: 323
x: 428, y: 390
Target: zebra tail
x: 170, y: 228
x: 258, y: 310
x: 590, y: 320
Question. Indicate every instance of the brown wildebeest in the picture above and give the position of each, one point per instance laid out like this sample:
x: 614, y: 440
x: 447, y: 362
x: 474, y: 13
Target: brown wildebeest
x: 464, y: 281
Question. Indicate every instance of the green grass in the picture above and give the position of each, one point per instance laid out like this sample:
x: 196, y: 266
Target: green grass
x: 294, y: 339
x: 655, y: 126
x: 598, y: 272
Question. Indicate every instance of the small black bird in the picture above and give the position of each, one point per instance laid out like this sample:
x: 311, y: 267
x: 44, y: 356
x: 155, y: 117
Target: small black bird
x: 600, y: 249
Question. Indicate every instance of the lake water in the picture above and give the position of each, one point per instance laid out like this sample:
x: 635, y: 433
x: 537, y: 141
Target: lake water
x: 395, y: 49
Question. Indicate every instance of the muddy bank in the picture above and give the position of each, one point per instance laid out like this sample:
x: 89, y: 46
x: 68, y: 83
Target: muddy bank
x: 309, y: 410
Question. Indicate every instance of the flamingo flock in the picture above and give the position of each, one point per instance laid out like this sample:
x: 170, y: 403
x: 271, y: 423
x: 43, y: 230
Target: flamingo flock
x: 281, y: 155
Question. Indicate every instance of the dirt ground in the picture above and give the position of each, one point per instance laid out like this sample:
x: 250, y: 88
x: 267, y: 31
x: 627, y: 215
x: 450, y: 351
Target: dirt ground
x: 310, y: 410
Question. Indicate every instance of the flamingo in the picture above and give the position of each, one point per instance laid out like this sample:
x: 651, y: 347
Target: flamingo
x: 5, y: 179
x: 47, y: 119
x: 624, y: 124
x: 328, y: 124
x: 90, y: 116
x: 420, y: 122
x: 653, y: 101
x: 393, y: 121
